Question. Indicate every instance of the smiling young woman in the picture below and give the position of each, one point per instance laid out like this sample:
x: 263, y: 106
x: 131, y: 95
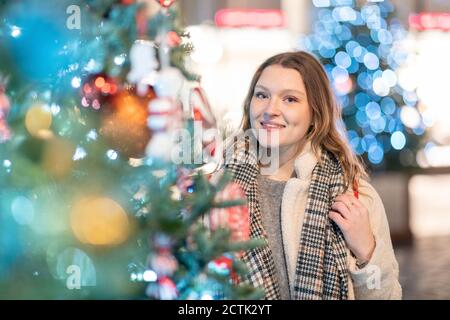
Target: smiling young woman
x: 326, y: 232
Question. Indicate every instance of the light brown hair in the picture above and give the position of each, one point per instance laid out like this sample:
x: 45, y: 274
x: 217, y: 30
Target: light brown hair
x: 324, y: 133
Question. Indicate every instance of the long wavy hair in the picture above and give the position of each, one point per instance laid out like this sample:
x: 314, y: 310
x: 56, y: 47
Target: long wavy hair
x: 326, y: 116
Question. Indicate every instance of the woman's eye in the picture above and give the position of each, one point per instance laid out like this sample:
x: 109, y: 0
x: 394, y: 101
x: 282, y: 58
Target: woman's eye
x: 291, y: 99
x: 260, y: 95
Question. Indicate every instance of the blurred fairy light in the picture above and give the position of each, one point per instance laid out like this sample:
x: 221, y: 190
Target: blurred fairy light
x: 80, y: 153
x: 137, y: 277
x: 150, y: 276
x: 433, y: 155
x: 206, y: 296
x: 15, y: 31
x: 398, y: 140
x: 91, y: 66
x: 373, y: 110
x: 344, y: 13
x: 55, y: 109
x: 7, y: 165
x: 380, y: 87
x: 376, y: 153
x: 76, y: 82
x: 120, y: 59
x: 371, y: 61
x: 410, y: 117
x: 111, y: 154
x: 389, y: 77
x: 321, y: 3
x: 91, y: 135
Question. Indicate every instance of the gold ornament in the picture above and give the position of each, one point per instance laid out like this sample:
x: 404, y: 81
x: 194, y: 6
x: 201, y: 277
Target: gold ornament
x: 124, y: 123
x: 38, y: 120
x: 99, y: 221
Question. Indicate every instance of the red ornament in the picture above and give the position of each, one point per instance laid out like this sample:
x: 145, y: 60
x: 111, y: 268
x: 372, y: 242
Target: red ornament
x: 166, y: 3
x: 127, y: 2
x: 96, y: 90
x: 224, y: 262
x: 124, y: 122
x: 164, y: 289
x: 235, y: 218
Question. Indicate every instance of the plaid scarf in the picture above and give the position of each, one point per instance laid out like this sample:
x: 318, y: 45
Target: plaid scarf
x: 321, y: 270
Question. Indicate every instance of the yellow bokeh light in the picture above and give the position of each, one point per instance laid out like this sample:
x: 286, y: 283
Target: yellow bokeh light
x: 38, y: 121
x: 99, y: 221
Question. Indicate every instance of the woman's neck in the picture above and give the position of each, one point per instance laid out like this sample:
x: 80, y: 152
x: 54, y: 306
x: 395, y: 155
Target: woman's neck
x: 287, y: 156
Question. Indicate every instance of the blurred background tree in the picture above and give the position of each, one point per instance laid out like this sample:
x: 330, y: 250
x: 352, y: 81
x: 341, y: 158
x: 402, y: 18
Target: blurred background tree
x: 358, y: 44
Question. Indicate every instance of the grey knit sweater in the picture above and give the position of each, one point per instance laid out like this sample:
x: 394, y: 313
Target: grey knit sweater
x: 271, y: 193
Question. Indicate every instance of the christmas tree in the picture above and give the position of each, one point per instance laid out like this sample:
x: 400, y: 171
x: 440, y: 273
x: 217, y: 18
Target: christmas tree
x: 360, y: 45
x: 92, y: 205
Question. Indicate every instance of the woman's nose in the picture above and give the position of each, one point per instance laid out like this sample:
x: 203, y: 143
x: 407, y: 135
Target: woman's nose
x: 272, y: 108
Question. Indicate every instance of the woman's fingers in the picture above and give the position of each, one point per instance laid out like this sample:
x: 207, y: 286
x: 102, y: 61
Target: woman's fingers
x: 340, y: 221
x: 341, y: 207
x: 349, y: 200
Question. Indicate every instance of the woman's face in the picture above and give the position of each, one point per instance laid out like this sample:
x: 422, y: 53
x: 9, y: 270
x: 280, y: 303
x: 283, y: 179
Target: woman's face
x: 279, y: 109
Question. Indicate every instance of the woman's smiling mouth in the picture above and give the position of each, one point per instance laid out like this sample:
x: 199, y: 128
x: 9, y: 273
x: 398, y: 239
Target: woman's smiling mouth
x: 267, y: 125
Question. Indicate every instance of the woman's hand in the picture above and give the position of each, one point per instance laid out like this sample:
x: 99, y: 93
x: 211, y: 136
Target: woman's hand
x: 353, y: 220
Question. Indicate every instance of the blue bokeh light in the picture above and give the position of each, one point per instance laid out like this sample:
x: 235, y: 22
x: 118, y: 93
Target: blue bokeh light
x: 371, y: 61
x: 384, y: 36
x: 361, y: 100
x: 376, y: 154
x: 342, y: 59
x: 373, y: 110
x: 361, y: 119
x: 367, y: 141
x: 378, y: 125
x: 354, y: 67
x: 321, y: 3
x: 327, y: 53
x: 388, y: 105
x: 364, y: 80
x: 398, y: 140
x: 339, y: 74
x: 350, y: 46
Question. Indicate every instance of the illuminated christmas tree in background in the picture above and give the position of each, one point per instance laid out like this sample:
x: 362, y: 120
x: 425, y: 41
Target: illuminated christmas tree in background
x: 360, y: 46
